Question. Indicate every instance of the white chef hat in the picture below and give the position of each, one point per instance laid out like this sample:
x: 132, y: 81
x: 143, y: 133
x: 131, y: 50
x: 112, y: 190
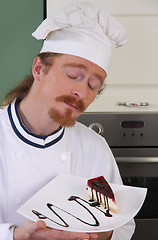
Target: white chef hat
x: 83, y: 30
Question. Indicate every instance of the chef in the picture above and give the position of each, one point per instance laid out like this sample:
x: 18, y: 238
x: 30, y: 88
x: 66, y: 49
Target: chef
x: 40, y: 137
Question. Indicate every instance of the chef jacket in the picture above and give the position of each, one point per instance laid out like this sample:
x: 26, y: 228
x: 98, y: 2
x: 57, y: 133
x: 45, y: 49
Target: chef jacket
x: 29, y: 161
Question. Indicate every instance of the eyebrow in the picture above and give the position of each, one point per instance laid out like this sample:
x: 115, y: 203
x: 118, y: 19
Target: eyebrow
x: 75, y: 65
x: 85, y: 68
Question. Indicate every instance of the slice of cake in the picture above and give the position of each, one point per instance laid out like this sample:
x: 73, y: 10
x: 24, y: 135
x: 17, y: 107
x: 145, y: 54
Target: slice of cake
x: 100, y: 192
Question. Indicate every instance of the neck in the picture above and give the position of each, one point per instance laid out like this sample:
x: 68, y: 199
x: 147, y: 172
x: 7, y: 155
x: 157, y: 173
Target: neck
x: 34, y: 119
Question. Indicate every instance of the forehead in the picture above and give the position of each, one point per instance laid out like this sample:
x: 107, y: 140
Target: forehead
x: 75, y: 61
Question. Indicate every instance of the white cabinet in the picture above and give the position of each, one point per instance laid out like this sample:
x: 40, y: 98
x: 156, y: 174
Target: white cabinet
x: 115, y: 7
x: 134, y: 73
x: 137, y: 61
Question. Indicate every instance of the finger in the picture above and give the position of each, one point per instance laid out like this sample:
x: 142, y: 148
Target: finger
x: 102, y: 235
x: 75, y: 235
x: 33, y: 227
x: 50, y: 233
x: 93, y: 235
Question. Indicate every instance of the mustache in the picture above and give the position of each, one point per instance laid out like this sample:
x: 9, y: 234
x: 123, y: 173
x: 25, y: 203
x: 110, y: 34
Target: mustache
x: 79, y: 105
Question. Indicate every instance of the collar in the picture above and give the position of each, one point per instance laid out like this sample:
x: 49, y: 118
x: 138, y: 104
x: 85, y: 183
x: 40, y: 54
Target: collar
x: 38, y: 141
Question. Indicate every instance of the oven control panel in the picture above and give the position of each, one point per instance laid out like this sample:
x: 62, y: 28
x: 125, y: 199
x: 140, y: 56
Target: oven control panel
x: 132, y: 128
x: 124, y: 130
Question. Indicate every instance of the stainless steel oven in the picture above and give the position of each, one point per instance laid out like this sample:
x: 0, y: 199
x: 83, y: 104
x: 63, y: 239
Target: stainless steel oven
x: 133, y: 139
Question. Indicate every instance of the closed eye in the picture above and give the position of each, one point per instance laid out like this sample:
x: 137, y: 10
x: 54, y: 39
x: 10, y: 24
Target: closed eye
x: 94, y: 83
x: 74, y: 72
x: 72, y: 76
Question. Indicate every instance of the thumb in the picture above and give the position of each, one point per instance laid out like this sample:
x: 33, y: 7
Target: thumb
x: 34, y: 227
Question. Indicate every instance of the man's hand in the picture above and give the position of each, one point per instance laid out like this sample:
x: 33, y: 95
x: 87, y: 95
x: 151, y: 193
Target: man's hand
x: 102, y: 235
x: 38, y: 230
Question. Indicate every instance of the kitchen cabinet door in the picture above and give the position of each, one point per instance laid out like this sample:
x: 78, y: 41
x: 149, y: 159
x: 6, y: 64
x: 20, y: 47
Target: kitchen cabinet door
x: 136, y: 61
x: 115, y: 7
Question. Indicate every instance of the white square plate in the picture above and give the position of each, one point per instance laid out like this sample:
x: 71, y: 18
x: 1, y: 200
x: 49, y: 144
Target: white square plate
x: 51, y: 205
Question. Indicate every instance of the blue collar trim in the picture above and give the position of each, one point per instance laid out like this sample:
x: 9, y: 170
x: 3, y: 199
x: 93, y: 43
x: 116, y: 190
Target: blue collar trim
x: 38, y: 141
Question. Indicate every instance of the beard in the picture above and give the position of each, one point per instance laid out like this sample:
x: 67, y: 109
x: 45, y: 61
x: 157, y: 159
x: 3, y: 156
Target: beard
x: 66, y: 119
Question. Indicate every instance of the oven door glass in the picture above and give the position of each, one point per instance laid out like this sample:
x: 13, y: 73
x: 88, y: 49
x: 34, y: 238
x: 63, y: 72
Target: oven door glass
x: 150, y: 206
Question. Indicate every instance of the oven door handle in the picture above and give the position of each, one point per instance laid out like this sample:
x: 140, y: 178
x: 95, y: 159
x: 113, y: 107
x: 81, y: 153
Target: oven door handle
x: 137, y: 159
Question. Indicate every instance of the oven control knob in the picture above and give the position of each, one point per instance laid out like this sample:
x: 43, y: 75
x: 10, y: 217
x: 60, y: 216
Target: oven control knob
x: 97, y: 127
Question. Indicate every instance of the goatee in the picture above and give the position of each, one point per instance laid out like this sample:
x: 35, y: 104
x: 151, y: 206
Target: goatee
x: 66, y: 119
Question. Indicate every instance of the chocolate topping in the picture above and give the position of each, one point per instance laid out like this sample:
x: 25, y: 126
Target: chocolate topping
x: 100, y: 185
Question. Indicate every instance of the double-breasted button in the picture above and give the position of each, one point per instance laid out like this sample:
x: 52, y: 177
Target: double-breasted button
x: 18, y: 200
x: 18, y: 154
x: 63, y: 157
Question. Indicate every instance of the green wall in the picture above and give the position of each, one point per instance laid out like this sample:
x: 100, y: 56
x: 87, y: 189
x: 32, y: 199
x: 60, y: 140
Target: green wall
x: 18, y: 19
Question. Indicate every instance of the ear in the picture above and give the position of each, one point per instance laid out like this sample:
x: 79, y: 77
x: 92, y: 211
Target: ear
x: 37, y: 68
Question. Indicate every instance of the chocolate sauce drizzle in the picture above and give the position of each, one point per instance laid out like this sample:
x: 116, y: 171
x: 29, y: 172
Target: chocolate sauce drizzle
x: 74, y: 198
x: 99, y: 200
x: 104, y: 189
x: 41, y: 216
x: 91, y: 203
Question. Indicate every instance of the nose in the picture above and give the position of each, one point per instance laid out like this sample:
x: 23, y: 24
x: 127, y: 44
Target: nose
x: 79, y: 90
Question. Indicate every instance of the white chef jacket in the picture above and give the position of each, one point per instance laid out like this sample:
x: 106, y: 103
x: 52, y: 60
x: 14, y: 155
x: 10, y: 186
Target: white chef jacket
x: 28, y: 162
